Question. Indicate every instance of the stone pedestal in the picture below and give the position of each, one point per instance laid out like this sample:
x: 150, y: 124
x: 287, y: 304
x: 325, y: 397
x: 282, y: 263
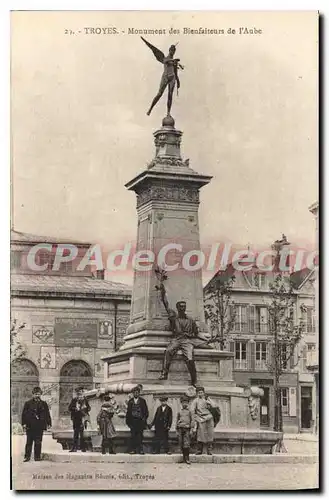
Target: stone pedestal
x: 168, y: 234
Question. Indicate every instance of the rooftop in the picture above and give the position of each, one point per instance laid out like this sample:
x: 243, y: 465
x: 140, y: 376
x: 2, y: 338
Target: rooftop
x: 67, y: 284
x: 19, y: 237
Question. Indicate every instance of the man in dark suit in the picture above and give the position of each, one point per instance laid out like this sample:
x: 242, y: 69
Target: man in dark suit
x: 162, y: 422
x: 35, y: 419
x: 136, y: 419
x: 79, y: 408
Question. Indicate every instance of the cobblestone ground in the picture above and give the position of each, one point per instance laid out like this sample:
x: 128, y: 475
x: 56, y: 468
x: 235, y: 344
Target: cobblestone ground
x: 51, y: 476
x: 62, y: 476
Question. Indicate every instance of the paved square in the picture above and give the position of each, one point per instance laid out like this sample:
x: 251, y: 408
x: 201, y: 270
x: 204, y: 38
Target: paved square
x: 46, y: 475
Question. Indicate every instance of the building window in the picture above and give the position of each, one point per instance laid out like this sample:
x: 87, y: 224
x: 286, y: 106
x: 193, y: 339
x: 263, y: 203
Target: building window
x: 260, y: 280
x: 241, y: 321
x: 15, y: 260
x: 261, y: 356
x: 284, y: 356
x: 240, y: 355
x: 46, y: 258
x: 310, y: 357
x: 285, y: 401
x: 65, y: 267
x: 261, y: 319
x: 308, y: 320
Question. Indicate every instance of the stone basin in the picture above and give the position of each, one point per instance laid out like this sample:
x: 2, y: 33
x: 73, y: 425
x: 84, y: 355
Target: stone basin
x: 226, y: 441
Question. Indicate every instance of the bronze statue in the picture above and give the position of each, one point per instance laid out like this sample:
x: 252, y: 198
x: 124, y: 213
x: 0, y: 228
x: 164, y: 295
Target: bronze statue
x: 185, y: 332
x: 170, y: 74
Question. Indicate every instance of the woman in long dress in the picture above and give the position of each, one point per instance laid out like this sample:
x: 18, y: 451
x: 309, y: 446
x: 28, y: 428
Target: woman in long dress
x: 204, y: 421
x: 105, y: 424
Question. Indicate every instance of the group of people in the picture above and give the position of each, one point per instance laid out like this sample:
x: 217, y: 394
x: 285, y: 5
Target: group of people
x: 193, y: 421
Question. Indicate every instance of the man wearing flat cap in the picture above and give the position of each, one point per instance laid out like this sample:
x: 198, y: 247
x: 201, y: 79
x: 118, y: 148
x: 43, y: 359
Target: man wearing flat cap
x: 79, y: 409
x: 35, y: 419
x: 162, y: 422
x: 185, y: 339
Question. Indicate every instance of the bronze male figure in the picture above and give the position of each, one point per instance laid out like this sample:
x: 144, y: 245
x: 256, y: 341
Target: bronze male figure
x: 185, y: 332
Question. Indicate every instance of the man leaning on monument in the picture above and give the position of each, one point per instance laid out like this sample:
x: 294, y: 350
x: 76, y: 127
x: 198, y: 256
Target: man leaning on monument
x: 186, y: 337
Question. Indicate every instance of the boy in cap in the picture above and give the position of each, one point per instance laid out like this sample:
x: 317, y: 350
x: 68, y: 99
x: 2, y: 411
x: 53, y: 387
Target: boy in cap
x: 79, y: 409
x: 162, y: 422
x: 35, y: 419
x: 136, y: 419
x: 105, y: 424
x: 184, y: 426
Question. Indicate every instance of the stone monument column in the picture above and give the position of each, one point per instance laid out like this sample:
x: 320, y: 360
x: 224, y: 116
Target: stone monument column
x: 168, y: 232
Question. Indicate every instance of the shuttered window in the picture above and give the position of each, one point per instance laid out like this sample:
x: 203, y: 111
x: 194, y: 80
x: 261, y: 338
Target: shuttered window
x: 261, y: 356
x: 261, y: 319
x: 240, y: 355
x: 241, y: 319
x: 285, y: 401
x: 252, y: 319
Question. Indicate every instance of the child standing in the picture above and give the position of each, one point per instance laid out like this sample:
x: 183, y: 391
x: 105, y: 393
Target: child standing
x: 79, y: 409
x: 204, y: 424
x: 162, y: 422
x: 184, y: 426
x: 105, y: 424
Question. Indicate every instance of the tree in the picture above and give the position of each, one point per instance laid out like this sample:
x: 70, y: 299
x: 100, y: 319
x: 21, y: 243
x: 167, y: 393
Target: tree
x: 219, y: 307
x: 17, y: 350
x: 286, y: 332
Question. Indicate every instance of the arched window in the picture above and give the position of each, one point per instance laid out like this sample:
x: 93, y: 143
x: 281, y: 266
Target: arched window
x: 75, y: 373
x: 24, y: 376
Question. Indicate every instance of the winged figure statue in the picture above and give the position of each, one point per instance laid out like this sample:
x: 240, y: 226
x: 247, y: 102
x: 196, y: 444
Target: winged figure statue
x: 170, y: 74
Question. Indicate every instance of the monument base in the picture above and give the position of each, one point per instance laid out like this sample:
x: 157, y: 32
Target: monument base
x: 226, y: 441
x: 143, y: 364
x: 236, y: 433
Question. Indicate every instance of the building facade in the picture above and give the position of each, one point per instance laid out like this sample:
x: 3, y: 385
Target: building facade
x: 250, y: 340
x: 72, y: 318
x: 313, y: 356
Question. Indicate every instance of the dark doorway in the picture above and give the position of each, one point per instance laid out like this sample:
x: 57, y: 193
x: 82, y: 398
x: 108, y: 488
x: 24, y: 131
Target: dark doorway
x: 75, y: 373
x: 24, y: 377
x: 265, y: 407
x: 306, y: 407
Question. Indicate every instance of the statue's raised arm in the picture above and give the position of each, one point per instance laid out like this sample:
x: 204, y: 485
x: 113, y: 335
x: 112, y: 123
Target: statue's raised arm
x: 162, y: 276
x: 170, y: 74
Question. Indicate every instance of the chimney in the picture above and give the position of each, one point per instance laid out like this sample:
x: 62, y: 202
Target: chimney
x: 100, y: 274
x: 279, y: 247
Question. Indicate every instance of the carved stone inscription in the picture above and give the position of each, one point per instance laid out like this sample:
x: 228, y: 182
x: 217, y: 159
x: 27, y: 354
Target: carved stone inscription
x: 168, y: 193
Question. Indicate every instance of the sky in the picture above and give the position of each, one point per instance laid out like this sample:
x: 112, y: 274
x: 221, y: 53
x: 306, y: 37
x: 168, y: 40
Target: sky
x: 248, y: 109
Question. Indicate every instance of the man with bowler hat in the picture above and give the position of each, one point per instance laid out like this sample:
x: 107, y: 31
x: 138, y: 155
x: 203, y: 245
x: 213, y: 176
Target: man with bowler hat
x: 35, y: 419
x: 136, y: 419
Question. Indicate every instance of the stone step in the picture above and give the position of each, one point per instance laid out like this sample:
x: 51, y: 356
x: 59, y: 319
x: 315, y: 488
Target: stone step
x: 280, y: 458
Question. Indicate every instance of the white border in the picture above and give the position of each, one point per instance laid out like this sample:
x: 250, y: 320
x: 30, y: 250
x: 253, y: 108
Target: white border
x: 5, y: 7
